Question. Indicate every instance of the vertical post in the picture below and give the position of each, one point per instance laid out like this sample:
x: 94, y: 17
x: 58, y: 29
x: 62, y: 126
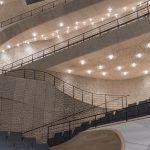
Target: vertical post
x: 73, y: 92
x: 126, y: 109
x: 68, y: 43
x: 63, y: 87
x: 92, y: 99
x: 24, y: 74
x: 95, y: 122
x: 82, y: 95
x: 54, y: 81
x: 105, y: 102
x: 122, y: 102
x: 69, y: 129
x: 34, y: 74
x: 137, y: 12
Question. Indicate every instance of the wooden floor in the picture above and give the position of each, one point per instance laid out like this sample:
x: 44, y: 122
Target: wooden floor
x: 93, y: 140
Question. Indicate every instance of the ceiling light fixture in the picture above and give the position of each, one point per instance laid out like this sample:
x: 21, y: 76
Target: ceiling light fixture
x: 34, y: 34
x: 69, y: 71
x: 146, y: 71
x: 102, y: 19
x: 3, y: 51
x: 82, y: 62
x: 119, y: 68
x: 109, y: 9
x: 133, y: 65
x: 90, y: 19
x: 104, y: 73
x: 1, y: 2
x: 139, y: 55
x: 111, y: 56
x: 148, y: 45
x: 125, y: 8
x: 100, y: 67
x: 89, y: 71
x: 61, y: 24
x: 8, y: 46
x: 125, y: 73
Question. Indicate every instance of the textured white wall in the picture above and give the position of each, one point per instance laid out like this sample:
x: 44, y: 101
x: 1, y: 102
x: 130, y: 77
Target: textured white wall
x: 137, y: 88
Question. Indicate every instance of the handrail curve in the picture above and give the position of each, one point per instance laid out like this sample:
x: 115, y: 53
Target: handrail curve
x: 141, y: 11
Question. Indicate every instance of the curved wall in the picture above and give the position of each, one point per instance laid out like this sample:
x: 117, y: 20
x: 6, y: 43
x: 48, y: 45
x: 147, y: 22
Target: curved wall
x: 137, y: 88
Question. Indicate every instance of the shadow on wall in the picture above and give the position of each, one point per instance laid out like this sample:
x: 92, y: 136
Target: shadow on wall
x: 94, y: 140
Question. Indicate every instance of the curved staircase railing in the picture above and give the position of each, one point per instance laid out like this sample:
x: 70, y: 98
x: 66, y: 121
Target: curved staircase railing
x: 65, y: 87
x: 142, y: 11
x: 33, y: 12
x: 100, y: 103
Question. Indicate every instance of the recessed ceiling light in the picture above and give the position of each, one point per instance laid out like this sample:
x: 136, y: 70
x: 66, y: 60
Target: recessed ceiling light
x: 69, y: 71
x: 125, y: 8
x: 146, y: 71
x: 139, y: 55
x: 67, y: 31
x: 84, y: 23
x: 148, y: 45
x: 119, y: 68
x: 77, y: 23
x: 90, y: 19
x: 110, y: 9
x: 104, y: 73
x: 18, y: 45
x: 61, y: 24
x: 133, y: 65
x: 116, y: 15
x: 102, y: 19
x: 92, y: 23
x: 100, y: 67
x: 34, y: 34
x: 108, y: 14
x: 8, y: 46
x: 133, y: 8
x: 89, y: 71
x: 111, y: 56
x: 53, y: 34
x: 58, y: 36
x: 3, y: 51
x: 125, y: 73
x: 35, y: 39
x: 1, y: 2
x: 68, y: 27
x: 76, y: 27
x: 42, y: 35
x: 82, y: 62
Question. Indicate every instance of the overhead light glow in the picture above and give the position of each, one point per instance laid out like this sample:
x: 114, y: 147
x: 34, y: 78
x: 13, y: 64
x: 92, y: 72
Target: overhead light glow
x: 3, y: 51
x: 84, y: 23
x: 148, y: 45
x: 104, y: 73
x: 8, y: 46
x: 133, y: 65
x: 90, y: 19
x: 100, y: 67
x: 34, y: 34
x: 109, y: 9
x: 82, y: 62
x: 18, y: 45
x: 102, y: 19
x: 125, y: 73
x: 61, y: 24
x: 119, y: 68
x: 146, y: 71
x: 139, y: 55
x: 125, y: 8
x: 69, y: 71
x: 111, y: 56
x: 89, y: 71
x: 116, y: 15
x: 1, y: 2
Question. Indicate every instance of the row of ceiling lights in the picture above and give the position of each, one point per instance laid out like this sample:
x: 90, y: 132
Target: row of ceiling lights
x: 68, y: 28
x: 119, y: 67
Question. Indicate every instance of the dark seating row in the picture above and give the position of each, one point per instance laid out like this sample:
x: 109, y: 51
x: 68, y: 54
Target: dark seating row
x: 132, y: 111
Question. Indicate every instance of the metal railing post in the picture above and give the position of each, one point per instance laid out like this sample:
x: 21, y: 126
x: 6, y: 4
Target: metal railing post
x: 105, y: 102
x: 126, y: 111
x: 92, y: 99
x: 73, y: 92
x: 82, y: 95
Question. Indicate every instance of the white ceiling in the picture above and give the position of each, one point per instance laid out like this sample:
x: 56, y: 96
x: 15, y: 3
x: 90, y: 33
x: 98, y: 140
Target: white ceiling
x: 124, y: 55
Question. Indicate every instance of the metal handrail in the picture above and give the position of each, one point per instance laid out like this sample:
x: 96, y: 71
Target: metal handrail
x: 141, y: 11
x: 35, y: 11
x: 36, y: 74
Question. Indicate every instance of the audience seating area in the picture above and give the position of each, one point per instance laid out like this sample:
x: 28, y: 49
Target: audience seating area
x: 15, y: 141
x: 132, y: 111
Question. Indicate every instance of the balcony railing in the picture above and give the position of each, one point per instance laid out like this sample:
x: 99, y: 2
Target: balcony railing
x: 141, y: 12
x: 36, y: 11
